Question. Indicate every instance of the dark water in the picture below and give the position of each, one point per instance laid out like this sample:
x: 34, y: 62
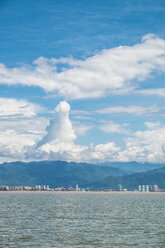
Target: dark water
x: 82, y: 220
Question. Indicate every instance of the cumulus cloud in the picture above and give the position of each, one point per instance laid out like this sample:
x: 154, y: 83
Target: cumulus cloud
x: 34, y: 138
x: 20, y: 127
x: 112, y: 71
x: 145, y: 146
x: 20, y: 141
x: 103, y: 152
x: 17, y: 135
x: 60, y: 128
x: 59, y: 141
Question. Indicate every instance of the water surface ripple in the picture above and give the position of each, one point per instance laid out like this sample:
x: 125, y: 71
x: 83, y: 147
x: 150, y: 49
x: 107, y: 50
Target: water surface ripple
x: 88, y: 220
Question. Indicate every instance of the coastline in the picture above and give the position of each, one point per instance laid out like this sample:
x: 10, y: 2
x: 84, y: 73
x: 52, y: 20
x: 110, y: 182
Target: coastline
x: 80, y: 192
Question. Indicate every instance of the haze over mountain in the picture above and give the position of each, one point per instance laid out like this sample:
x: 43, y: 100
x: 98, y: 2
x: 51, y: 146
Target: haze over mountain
x: 133, y: 167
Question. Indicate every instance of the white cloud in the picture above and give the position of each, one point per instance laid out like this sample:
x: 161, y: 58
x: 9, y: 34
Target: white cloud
x: 13, y: 107
x: 13, y: 145
x: 108, y: 72
x: 151, y: 92
x: 19, y: 128
x: 20, y: 134
x: 60, y: 128
x: 112, y: 127
x: 82, y: 117
x: 80, y: 112
x: 81, y: 129
x: 17, y: 134
x: 59, y: 141
x: 145, y: 146
x: 19, y: 138
x: 102, y: 152
x: 33, y: 125
x: 152, y: 125
x: 132, y: 109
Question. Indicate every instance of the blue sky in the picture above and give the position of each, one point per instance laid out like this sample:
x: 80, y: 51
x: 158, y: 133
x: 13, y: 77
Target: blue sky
x: 82, y: 80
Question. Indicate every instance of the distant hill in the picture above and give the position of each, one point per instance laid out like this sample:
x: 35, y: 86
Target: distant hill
x: 133, y: 167
x: 54, y: 173
x: 132, y: 181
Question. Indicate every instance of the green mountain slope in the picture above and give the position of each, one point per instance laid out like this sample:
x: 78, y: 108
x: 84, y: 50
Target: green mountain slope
x: 53, y: 173
x: 132, y: 181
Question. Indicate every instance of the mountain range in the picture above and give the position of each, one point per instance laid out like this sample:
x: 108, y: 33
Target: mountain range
x: 66, y: 174
x: 131, y: 182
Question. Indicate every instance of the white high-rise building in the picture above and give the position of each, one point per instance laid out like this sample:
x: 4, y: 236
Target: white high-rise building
x: 140, y: 188
x: 77, y: 187
x: 38, y: 187
x: 147, y: 188
x: 143, y: 188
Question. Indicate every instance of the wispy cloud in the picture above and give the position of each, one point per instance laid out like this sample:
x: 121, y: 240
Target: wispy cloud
x: 80, y: 112
x: 133, y: 109
x: 13, y: 107
x: 151, y: 92
x: 152, y: 125
x: 112, y: 127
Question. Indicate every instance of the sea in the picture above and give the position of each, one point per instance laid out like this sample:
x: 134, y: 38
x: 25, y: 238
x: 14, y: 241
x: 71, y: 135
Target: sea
x: 82, y: 220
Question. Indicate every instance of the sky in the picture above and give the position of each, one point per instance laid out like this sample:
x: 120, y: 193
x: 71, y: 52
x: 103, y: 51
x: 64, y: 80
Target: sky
x: 82, y: 80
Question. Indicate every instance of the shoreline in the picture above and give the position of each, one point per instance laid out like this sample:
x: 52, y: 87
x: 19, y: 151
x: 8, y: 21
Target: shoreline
x: 78, y: 192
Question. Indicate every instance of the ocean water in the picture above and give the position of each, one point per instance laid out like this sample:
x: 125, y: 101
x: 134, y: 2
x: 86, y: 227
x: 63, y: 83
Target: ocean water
x: 82, y: 220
